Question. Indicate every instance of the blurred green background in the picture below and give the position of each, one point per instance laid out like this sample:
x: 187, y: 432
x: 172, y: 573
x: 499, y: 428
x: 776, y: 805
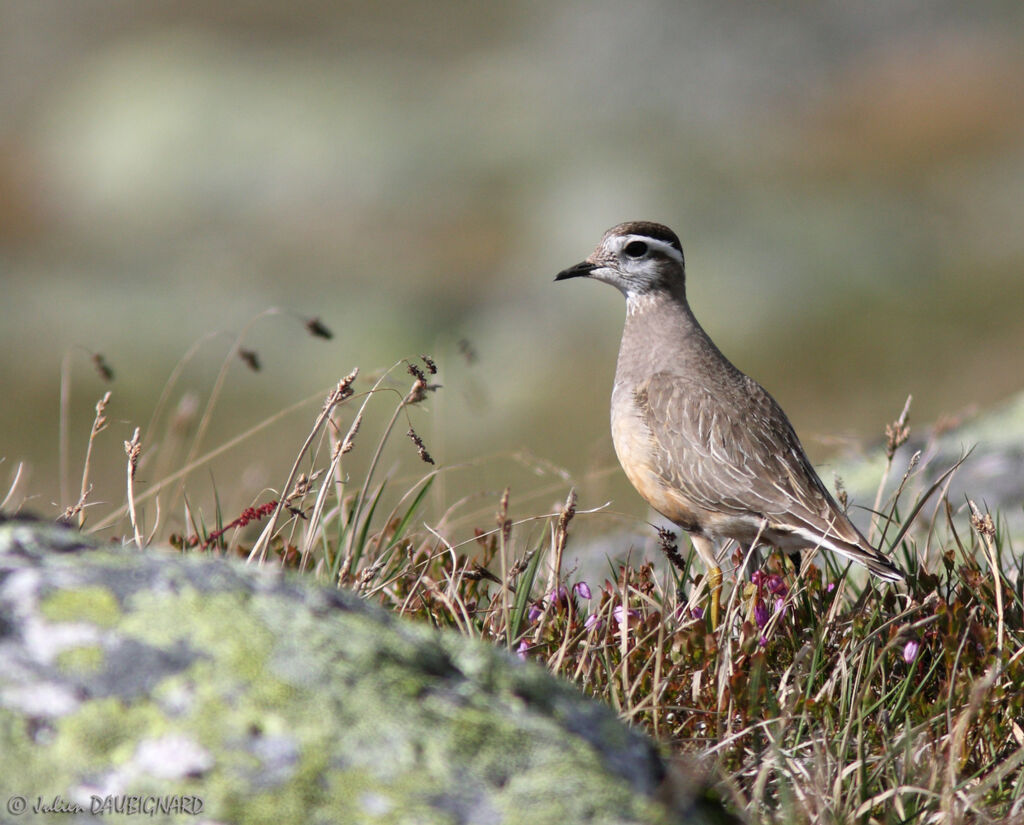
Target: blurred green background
x: 847, y: 181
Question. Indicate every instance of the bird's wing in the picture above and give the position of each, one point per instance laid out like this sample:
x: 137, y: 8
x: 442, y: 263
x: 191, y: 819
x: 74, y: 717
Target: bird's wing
x: 736, y: 453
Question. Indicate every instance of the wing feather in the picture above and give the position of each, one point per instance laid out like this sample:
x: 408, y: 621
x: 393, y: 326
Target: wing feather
x: 736, y: 453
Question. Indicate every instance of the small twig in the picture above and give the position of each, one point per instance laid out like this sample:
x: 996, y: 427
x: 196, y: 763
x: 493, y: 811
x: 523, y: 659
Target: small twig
x: 64, y: 436
x: 896, y: 434
x: 14, y: 485
x: 982, y: 522
x: 561, y: 535
x: 504, y: 534
x: 98, y: 425
x: 132, y: 449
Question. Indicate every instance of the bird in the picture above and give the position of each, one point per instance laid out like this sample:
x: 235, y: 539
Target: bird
x: 704, y: 444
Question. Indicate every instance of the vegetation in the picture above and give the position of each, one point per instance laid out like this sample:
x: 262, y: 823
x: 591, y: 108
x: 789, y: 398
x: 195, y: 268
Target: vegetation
x: 821, y: 697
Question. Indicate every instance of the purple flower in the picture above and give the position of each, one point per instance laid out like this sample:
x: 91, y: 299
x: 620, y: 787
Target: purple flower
x: 522, y: 648
x: 697, y: 612
x: 534, y: 612
x: 761, y: 613
x: 582, y: 589
x: 757, y: 577
x: 558, y: 596
x: 621, y: 615
x: 910, y: 650
x: 593, y: 623
x: 780, y: 606
x: 776, y: 585
x: 763, y: 641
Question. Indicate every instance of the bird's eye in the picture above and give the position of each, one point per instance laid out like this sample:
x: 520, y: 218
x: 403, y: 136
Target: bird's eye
x: 636, y: 249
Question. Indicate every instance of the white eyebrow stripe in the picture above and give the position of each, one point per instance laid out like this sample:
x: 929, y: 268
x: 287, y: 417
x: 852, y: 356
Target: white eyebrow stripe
x: 661, y: 246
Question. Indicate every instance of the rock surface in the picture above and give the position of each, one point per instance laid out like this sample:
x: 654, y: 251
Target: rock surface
x: 992, y: 475
x: 237, y: 695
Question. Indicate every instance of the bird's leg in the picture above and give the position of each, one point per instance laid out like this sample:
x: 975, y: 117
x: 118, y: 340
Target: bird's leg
x: 715, y: 583
x: 706, y: 550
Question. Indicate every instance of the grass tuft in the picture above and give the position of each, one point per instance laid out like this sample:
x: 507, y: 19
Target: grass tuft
x: 821, y: 697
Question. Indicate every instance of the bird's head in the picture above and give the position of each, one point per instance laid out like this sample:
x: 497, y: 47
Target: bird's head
x: 638, y: 258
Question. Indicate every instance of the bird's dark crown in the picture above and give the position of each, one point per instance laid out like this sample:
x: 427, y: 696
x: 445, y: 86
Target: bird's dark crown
x: 648, y: 229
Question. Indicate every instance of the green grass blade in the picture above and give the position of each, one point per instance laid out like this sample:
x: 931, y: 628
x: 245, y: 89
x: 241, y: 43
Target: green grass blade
x: 523, y: 588
x: 410, y: 513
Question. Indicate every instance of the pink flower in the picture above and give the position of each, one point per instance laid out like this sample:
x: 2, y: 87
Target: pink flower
x: 593, y: 623
x: 522, y: 648
x: 621, y: 615
x: 582, y: 589
x: 910, y: 650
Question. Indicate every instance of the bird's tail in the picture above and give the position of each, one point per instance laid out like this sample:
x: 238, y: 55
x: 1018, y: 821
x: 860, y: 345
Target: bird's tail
x: 864, y: 554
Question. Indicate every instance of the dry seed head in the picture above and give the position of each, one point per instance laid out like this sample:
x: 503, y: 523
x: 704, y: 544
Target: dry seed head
x: 251, y: 358
x: 841, y: 495
x: 104, y: 369
x: 303, y: 485
x: 424, y: 455
x: 897, y: 433
x: 669, y: 546
x: 316, y: 328
x: 350, y: 437
x: 369, y: 574
x: 466, y: 350
x: 568, y: 511
x: 431, y: 366
x: 982, y: 522
x: 417, y: 393
x: 73, y: 510
x: 100, y: 423
x: 342, y: 391
x: 504, y: 522
x: 132, y: 449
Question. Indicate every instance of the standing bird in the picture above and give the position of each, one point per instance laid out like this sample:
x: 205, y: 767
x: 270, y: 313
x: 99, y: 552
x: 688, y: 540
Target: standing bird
x: 704, y: 444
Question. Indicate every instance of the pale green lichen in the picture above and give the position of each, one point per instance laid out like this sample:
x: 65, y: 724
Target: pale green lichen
x: 84, y: 659
x: 95, y: 605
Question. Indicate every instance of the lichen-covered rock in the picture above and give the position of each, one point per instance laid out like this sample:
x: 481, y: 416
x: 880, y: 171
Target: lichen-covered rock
x: 199, y: 690
x: 992, y: 474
